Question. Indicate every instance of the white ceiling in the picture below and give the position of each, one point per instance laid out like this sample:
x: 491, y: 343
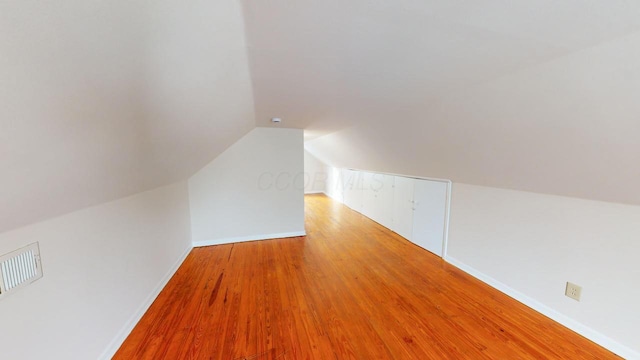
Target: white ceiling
x: 538, y: 95
x: 104, y: 99
x: 326, y: 65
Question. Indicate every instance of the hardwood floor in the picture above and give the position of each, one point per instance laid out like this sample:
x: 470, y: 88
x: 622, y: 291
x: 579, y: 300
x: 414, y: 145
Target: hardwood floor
x: 350, y: 289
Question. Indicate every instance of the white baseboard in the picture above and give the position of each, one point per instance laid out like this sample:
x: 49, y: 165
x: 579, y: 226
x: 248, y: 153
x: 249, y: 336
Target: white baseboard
x: 135, y: 318
x: 574, y: 325
x: 314, y: 192
x: 248, y: 238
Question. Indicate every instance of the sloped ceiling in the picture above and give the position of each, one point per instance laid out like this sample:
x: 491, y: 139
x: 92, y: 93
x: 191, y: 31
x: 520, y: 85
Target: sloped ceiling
x: 104, y: 99
x: 538, y: 96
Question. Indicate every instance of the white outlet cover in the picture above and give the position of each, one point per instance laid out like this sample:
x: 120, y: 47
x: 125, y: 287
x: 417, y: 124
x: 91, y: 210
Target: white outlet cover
x: 573, y: 291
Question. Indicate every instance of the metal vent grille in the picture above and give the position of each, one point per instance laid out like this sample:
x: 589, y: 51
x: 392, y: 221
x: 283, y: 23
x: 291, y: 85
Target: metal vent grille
x: 19, y: 268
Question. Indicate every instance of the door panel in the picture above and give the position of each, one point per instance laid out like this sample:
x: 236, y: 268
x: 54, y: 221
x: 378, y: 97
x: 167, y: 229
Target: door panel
x: 383, y: 185
x: 377, y: 197
x: 402, y: 219
x: 429, y: 215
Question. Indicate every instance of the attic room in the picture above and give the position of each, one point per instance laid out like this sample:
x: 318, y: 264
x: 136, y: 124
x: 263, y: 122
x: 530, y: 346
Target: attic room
x: 168, y: 216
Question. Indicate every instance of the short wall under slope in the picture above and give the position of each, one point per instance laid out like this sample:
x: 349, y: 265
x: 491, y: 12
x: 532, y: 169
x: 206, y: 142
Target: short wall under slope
x: 102, y: 266
x: 529, y: 245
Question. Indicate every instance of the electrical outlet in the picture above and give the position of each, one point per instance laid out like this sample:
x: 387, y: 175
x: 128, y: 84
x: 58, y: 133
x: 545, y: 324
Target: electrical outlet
x: 573, y: 291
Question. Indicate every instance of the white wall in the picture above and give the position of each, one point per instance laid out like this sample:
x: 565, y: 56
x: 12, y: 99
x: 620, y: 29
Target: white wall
x: 335, y: 183
x: 254, y: 190
x: 102, y: 266
x: 529, y: 245
x: 315, y: 174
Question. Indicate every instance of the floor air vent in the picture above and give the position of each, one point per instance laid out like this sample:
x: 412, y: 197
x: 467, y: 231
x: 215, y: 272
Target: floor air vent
x: 19, y: 268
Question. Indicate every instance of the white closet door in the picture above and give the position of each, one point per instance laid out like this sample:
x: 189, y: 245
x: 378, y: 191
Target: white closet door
x: 383, y: 185
x: 429, y: 215
x: 403, y: 207
x: 378, y: 198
